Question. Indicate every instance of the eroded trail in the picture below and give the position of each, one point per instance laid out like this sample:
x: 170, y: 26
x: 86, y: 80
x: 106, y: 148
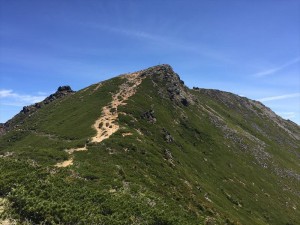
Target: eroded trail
x: 106, y: 124
x: 69, y: 162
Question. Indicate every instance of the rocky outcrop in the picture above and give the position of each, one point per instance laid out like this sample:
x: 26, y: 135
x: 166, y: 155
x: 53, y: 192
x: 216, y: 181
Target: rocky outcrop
x: 149, y: 116
x: 173, y: 87
x: 61, y: 92
x: 18, y: 119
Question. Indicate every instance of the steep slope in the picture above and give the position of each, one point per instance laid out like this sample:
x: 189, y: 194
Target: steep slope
x: 142, y: 148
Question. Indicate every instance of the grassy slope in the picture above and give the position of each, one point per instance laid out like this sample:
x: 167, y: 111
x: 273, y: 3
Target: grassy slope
x: 265, y: 190
x: 210, y: 179
x: 62, y: 124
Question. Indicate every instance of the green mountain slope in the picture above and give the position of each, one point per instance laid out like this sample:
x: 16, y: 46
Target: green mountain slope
x: 143, y: 148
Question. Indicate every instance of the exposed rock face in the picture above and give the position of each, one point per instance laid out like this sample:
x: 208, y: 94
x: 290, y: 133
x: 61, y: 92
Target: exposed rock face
x: 174, y: 88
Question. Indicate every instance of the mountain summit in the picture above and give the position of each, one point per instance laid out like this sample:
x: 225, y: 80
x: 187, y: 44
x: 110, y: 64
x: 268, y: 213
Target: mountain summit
x: 143, y: 148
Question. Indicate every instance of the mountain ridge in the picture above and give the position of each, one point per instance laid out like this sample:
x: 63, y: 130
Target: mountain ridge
x: 169, y: 74
x: 151, y: 151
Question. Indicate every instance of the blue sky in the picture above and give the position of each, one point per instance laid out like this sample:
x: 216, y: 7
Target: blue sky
x: 248, y: 47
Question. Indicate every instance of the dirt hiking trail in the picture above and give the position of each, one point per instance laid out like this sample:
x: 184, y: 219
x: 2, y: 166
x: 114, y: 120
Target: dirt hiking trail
x: 106, y: 124
x: 69, y: 162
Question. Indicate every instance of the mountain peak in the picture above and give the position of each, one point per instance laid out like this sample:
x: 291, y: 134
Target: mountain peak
x: 161, y: 67
x: 165, y: 71
x: 149, y: 150
x: 169, y: 82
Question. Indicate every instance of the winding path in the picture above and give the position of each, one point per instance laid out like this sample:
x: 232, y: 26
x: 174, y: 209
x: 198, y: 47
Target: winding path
x: 106, y: 124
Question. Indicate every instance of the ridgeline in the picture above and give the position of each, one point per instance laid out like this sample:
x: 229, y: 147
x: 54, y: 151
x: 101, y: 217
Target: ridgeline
x: 143, y: 148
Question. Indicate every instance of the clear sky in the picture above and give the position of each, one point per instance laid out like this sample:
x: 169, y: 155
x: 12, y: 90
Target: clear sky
x: 248, y: 47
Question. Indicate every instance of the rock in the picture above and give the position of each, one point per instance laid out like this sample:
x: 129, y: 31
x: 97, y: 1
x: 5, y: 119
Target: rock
x: 66, y: 88
x: 168, y: 137
x: 37, y: 105
x: 173, y: 87
x: 174, y: 90
x: 25, y: 109
x: 149, y: 116
x: 185, y: 102
x: 168, y: 156
x: 61, y: 92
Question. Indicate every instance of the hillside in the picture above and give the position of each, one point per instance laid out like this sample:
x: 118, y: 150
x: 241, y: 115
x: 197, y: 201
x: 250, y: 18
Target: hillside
x: 142, y: 148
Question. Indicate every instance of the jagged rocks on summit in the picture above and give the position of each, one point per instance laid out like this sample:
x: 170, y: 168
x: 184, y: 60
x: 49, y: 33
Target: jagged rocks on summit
x: 62, y: 91
x: 174, y: 87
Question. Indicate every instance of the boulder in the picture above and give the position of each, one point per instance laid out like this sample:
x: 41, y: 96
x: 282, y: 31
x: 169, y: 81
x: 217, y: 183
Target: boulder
x: 149, y: 116
x: 167, y: 136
